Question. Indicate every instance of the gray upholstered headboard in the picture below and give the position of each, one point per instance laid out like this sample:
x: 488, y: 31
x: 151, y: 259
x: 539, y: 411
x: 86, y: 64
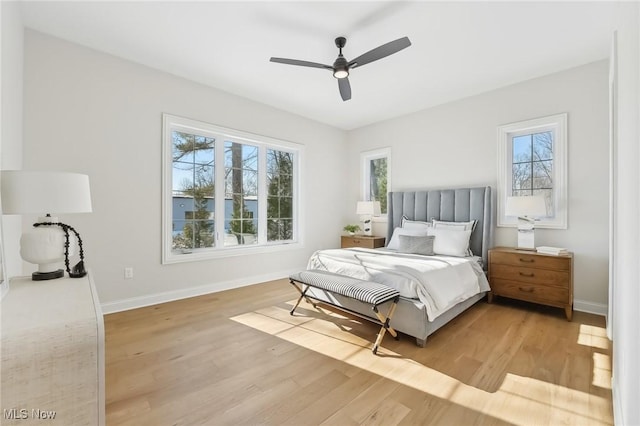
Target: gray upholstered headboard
x: 454, y: 205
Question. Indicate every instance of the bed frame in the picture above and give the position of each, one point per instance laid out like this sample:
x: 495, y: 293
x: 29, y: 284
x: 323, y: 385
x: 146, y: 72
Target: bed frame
x: 455, y: 205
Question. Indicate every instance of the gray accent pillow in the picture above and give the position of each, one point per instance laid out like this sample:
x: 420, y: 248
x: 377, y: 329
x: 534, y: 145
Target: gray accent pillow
x: 416, y: 244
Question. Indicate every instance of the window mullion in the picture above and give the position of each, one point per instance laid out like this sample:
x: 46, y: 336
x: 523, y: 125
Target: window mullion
x: 531, y: 184
x: 219, y: 187
x: 262, y: 195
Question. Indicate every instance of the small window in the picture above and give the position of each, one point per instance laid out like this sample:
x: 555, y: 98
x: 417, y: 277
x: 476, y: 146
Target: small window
x: 532, y: 160
x: 376, y: 172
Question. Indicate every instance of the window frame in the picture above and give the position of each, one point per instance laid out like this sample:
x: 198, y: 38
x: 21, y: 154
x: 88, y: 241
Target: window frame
x: 365, y: 172
x: 223, y: 135
x: 558, y: 125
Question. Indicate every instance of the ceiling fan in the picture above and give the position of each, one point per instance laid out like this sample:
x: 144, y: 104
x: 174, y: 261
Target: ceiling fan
x: 341, y: 66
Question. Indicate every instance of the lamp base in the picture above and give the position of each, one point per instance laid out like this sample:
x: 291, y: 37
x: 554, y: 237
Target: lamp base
x: 526, y: 234
x: 367, y: 225
x: 41, y: 276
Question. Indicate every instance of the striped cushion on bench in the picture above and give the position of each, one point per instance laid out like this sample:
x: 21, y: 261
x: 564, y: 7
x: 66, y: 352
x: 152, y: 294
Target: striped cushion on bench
x: 364, y: 291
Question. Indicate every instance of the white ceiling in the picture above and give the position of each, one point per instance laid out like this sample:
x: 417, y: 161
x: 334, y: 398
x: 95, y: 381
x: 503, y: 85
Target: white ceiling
x: 458, y: 48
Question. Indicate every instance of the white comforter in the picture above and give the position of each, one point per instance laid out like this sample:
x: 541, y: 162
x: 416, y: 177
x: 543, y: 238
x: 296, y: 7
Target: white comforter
x: 440, y: 282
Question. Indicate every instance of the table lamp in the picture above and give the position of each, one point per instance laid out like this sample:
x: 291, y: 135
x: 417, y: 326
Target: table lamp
x: 526, y: 208
x: 367, y: 209
x: 39, y: 192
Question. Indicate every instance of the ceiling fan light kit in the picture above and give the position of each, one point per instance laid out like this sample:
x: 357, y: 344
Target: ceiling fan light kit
x: 341, y: 73
x: 341, y: 66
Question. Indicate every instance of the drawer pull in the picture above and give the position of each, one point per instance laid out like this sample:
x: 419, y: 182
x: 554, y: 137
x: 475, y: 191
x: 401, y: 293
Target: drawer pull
x: 527, y: 260
x: 526, y: 275
x: 526, y: 289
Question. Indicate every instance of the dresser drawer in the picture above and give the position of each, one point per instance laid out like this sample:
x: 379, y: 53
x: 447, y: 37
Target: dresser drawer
x: 558, y: 263
x: 530, y: 292
x: 530, y: 275
x: 364, y: 242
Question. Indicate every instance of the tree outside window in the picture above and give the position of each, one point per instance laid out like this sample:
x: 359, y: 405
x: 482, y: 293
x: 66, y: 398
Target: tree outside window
x: 376, y: 176
x: 193, y: 188
x: 532, y: 161
x: 280, y: 198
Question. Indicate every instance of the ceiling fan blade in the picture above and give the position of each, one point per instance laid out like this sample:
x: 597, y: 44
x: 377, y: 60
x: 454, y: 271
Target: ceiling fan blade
x: 380, y: 52
x: 301, y: 63
x: 345, y: 88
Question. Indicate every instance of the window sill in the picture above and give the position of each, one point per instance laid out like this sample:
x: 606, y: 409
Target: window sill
x: 211, y: 254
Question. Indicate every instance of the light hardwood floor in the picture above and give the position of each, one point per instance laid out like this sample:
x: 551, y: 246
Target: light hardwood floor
x: 238, y: 358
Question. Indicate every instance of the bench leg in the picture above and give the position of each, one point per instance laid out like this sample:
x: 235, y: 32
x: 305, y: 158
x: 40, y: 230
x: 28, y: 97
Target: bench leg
x: 385, y: 324
x: 303, y: 294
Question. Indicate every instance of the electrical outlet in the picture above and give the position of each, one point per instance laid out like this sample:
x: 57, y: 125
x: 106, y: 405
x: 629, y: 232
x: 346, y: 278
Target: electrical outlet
x: 128, y: 273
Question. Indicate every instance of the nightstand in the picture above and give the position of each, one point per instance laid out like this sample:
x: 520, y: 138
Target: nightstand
x: 532, y: 276
x: 363, y: 241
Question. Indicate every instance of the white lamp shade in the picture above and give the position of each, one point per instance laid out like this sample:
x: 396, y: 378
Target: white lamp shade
x: 35, y: 192
x: 368, y: 208
x: 531, y: 206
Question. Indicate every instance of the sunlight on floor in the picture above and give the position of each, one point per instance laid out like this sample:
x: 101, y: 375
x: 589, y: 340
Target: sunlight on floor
x: 520, y: 400
x: 601, y: 370
x: 596, y: 337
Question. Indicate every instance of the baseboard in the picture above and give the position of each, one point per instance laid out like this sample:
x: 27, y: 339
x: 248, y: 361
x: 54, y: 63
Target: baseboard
x: 617, y: 407
x: 169, y: 296
x: 590, y: 307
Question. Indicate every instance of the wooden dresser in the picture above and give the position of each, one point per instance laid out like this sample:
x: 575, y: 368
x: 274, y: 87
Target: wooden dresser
x: 52, y: 353
x: 362, y: 241
x: 531, y: 276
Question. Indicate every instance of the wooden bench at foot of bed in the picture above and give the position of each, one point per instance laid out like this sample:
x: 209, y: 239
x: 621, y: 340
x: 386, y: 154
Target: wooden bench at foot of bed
x: 368, y: 292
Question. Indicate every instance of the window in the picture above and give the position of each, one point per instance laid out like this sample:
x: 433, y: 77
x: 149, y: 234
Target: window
x: 226, y: 192
x: 280, y: 195
x: 376, y: 172
x: 532, y: 160
x: 192, y: 190
x: 241, y: 193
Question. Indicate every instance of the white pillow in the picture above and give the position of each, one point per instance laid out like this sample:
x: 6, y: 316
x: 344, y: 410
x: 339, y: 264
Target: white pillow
x: 414, y: 224
x: 461, y: 226
x: 450, y: 242
x: 394, y: 244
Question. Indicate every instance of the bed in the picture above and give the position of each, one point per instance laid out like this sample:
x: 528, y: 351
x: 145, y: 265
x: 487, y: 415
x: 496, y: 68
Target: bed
x: 417, y: 314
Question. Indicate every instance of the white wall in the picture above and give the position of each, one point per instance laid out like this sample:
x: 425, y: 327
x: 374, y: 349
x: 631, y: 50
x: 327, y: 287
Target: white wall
x: 93, y: 113
x: 626, y: 235
x: 11, y: 134
x: 456, y: 145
